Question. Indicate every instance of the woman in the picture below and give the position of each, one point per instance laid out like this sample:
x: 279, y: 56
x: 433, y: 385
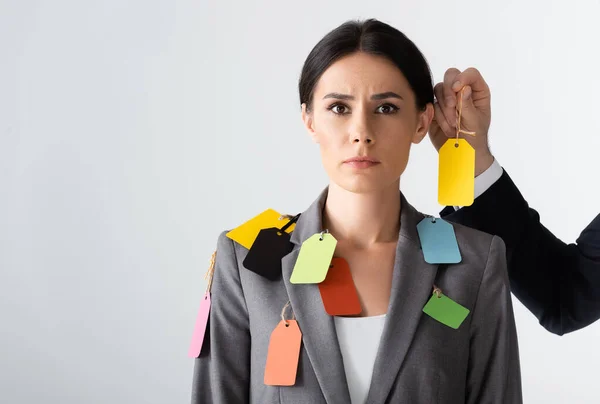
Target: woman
x: 366, y: 95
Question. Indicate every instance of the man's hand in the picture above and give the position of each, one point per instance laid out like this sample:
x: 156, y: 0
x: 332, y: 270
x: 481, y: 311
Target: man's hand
x: 476, y: 113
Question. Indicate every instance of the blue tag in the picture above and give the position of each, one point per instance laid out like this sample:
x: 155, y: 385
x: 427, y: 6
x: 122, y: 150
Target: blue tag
x: 438, y: 241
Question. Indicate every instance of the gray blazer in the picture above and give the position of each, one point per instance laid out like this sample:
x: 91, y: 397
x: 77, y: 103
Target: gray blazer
x: 419, y: 360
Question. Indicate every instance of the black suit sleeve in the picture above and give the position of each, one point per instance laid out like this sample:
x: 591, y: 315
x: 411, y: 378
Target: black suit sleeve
x: 559, y: 283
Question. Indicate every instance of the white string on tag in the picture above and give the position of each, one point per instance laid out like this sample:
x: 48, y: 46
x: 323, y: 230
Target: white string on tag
x: 288, y: 304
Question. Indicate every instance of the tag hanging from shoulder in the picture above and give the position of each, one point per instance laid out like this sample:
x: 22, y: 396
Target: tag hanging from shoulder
x: 270, y: 246
x: 314, y: 258
x: 246, y: 233
x: 203, y: 314
x: 283, y: 355
x: 338, y: 291
x: 438, y: 241
x: 456, y: 182
x: 445, y: 310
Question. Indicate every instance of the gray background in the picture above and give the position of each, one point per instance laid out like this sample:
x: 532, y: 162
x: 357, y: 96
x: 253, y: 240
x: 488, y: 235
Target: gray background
x: 133, y: 132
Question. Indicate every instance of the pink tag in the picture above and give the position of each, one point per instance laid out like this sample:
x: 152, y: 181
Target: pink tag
x: 200, y: 328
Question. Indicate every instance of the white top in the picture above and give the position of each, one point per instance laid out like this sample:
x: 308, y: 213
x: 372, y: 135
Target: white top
x: 359, y: 339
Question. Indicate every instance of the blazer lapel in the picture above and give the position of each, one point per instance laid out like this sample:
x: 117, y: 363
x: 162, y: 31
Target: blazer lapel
x: 318, y: 328
x: 412, y: 286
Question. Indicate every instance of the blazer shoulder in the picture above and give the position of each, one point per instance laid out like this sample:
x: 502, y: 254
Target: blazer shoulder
x: 476, y: 245
x: 223, y: 241
x: 226, y: 248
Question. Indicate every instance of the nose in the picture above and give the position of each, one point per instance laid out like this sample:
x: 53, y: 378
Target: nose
x: 362, y: 138
x: 360, y: 132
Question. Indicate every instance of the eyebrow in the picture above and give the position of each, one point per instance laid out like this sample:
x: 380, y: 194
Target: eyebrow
x: 380, y: 96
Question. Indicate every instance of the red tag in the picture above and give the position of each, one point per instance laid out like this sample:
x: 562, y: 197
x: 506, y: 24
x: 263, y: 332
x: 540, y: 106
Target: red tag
x: 338, y: 291
x: 200, y: 328
x: 284, y: 354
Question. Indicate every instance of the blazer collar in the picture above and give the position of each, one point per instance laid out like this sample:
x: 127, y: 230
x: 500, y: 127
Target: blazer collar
x: 311, y: 220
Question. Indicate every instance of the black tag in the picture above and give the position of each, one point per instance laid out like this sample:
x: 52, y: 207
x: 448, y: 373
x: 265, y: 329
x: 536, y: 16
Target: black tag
x: 270, y: 246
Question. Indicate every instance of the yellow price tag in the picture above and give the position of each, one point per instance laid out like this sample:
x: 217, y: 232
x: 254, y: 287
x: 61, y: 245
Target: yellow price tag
x: 246, y: 233
x: 456, y: 186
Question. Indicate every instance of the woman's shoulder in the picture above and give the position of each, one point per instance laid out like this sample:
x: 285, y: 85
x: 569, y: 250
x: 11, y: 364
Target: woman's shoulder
x: 477, y: 247
x: 225, y: 249
x: 482, y: 264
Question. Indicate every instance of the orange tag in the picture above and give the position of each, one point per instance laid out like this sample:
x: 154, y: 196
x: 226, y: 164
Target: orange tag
x: 284, y: 354
x: 338, y: 291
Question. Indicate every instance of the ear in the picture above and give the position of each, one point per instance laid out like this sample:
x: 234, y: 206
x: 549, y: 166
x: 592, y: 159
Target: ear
x: 425, y: 118
x: 307, y: 119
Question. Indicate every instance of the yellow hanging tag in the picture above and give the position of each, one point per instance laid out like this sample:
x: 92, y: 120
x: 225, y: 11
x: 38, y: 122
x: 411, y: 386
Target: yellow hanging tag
x: 456, y: 184
x: 456, y: 173
x: 246, y: 233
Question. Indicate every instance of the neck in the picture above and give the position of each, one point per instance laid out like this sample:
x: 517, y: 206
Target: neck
x: 363, y: 219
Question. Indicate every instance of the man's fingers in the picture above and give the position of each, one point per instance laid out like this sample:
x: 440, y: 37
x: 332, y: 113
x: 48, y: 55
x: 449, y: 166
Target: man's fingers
x: 448, y: 111
x: 472, y: 78
x: 440, y: 118
x: 449, y: 94
x: 466, y: 103
x: 467, y: 92
x: 438, y: 91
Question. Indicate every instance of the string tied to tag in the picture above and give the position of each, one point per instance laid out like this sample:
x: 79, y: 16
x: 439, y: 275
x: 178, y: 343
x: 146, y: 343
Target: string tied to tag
x: 322, y: 233
x: 437, y: 291
x: 458, y: 129
x: 433, y: 218
x: 293, y: 219
x: 288, y: 304
x: 211, y: 271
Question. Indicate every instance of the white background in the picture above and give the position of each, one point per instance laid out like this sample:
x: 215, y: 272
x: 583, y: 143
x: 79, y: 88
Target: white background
x: 133, y: 132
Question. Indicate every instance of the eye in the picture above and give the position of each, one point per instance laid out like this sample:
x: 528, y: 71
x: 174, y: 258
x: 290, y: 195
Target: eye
x: 338, y: 109
x: 387, y: 109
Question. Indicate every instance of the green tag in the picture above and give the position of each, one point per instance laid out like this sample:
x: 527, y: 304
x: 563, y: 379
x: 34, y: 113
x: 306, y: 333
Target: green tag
x: 314, y: 259
x: 446, y: 311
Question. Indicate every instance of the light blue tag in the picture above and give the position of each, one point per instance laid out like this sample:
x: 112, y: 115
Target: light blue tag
x: 438, y: 241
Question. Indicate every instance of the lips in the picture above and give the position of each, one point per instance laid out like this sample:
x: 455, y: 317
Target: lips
x: 361, y: 162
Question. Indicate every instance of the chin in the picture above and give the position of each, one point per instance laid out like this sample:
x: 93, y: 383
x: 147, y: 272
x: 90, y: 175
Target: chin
x: 362, y: 185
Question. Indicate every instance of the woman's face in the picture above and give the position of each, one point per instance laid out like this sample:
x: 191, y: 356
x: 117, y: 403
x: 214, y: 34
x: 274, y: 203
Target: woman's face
x: 363, y: 108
